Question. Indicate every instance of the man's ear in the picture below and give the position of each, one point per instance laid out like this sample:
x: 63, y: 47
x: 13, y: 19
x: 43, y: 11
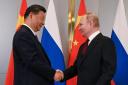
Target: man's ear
x: 31, y: 15
x: 91, y: 23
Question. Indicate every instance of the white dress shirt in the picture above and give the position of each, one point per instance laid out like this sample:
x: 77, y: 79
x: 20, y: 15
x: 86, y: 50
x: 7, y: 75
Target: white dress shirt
x: 93, y: 36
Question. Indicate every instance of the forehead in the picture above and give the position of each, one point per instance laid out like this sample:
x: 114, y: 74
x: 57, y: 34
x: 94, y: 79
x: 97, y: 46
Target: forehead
x: 83, y: 19
x: 41, y: 13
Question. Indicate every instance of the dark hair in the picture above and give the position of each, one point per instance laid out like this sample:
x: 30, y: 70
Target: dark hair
x: 34, y: 9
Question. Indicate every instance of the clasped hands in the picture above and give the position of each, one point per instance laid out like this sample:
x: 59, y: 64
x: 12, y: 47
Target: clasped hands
x: 58, y: 75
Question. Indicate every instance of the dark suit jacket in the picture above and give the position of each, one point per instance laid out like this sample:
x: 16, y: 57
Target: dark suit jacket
x: 97, y: 66
x: 31, y: 64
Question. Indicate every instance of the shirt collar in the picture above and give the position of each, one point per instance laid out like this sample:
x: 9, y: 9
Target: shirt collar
x: 30, y: 29
x: 93, y: 36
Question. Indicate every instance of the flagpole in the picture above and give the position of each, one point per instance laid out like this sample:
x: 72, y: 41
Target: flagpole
x: 71, y: 22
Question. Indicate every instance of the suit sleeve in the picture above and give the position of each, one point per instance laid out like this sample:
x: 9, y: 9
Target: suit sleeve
x: 108, y: 62
x: 72, y: 71
x: 31, y: 59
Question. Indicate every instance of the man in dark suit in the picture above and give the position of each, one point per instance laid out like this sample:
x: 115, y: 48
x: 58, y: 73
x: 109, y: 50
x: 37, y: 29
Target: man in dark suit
x: 31, y: 63
x: 96, y: 59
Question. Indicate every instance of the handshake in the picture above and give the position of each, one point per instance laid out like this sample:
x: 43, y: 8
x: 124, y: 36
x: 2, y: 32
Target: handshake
x: 59, y: 75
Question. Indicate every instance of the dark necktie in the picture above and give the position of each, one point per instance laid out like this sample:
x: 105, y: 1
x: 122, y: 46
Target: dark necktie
x: 36, y: 37
x: 85, y: 46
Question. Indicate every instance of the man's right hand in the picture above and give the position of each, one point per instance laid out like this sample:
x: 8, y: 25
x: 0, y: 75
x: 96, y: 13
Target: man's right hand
x: 58, y: 75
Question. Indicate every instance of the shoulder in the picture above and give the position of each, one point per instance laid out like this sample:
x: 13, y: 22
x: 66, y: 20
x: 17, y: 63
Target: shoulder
x: 107, y: 41
x: 104, y: 40
x: 22, y: 33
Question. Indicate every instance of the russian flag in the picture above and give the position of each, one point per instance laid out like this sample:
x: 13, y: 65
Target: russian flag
x: 120, y: 38
x: 51, y: 40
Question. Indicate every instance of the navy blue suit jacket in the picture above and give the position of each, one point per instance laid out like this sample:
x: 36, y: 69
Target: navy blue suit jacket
x: 31, y: 64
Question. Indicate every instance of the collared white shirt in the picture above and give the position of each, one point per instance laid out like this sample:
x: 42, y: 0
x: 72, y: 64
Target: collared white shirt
x: 30, y: 29
x: 93, y: 36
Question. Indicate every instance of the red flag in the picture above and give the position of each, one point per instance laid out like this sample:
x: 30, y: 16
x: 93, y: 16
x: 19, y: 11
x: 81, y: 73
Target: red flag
x: 78, y: 39
x: 112, y: 82
x: 10, y: 72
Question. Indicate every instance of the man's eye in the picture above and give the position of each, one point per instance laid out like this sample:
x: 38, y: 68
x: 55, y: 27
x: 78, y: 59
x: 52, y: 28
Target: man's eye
x: 80, y: 24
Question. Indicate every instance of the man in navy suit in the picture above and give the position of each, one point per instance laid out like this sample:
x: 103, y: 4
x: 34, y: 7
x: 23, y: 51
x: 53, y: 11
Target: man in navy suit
x: 31, y: 63
x: 96, y: 59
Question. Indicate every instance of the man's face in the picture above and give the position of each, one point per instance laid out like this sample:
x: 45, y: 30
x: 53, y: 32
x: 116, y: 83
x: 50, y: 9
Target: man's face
x: 38, y: 20
x: 84, y: 27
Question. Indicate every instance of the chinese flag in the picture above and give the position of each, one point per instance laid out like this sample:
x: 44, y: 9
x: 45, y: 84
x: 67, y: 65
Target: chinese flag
x: 10, y: 72
x: 78, y: 39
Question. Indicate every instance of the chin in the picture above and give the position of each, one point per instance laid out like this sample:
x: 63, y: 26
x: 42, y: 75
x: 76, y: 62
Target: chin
x: 82, y: 35
x: 38, y: 29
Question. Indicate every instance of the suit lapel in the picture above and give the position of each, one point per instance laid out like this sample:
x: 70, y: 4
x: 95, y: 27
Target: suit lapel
x: 39, y: 47
x: 91, y: 47
x: 42, y: 51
